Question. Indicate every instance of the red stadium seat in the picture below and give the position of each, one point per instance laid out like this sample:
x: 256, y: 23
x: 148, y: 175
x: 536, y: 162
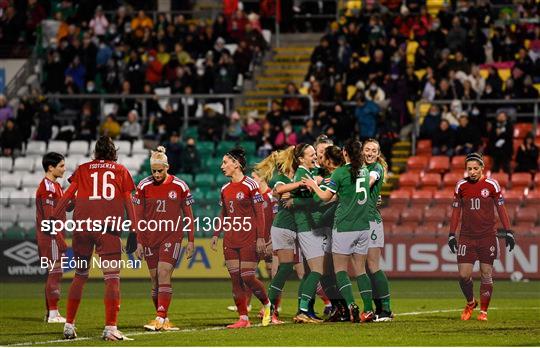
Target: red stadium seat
x: 428, y: 228
x: 501, y: 178
x: 450, y: 179
x: 439, y: 164
x: 408, y: 179
x: 487, y: 162
x: 430, y: 180
x: 407, y: 228
x: 521, y: 130
x: 400, y: 197
x: 523, y: 228
x: 528, y: 214
x: 521, y: 180
x: 533, y: 198
x: 535, y: 231
x: 418, y: 163
x: 515, y: 146
x: 421, y: 198
x: 513, y: 196
x: 411, y: 215
x: 511, y: 210
x: 444, y: 197
x: 537, y: 180
x: 457, y: 163
x: 438, y: 214
x: 423, y: 147
x: 390, y: 215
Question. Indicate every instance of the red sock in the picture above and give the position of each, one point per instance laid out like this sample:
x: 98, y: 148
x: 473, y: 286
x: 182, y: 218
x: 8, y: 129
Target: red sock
x: 75, y: 294
x: 322, y: 294
x: 249, y: 294
x: 467, y: 289
x: 52, y: 288
x: 239, y: 294
x: 112, y: 297
x: 256, y: 286
x: 155, y: 297
x: 277, y: 302
x: 486, y: 289
x: 164, y: 300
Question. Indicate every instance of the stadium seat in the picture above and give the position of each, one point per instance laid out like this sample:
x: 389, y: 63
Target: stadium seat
x: 417, y: 163
x: 535, y: 231
x: 206, y: 148
x: 31, y: 181
x: 212, y: 196
x: 501, y: 178
x: 36, y: 148
x: 537, y: 180
x: 24, y: 164
x: 439, y: 164
x: 400, y: 197
x: 11, y: 181
x: 224, y: 146
x: 457, y: 163
x: 443, y: 197
x: 124, y: 147
x: 59, y: 146
x: 511, y: 210
x: 212, y: 163
x: 73, y: 161
x: 409, y: 179
x: 133, y: 164
x: 423, y: 147
x: 205, y: 180
x: 522, y: 129
x: 404, y: 229
x: 221, y: 180
x: 533, y: 198
x: 78, y: 147
x: 390, y: 215
x: 430, y: 180
x: 187, y: 178
x: 138, y: 148
x: 527, y: 214
x: 249, y: 146
x: 8, y: 217
x: 438, y: 214
x: 4, y: 197
x: 522, y: 228
x: 411, y: 215
x: 6, y: 165
x: 20, y: 198
x: 14, y: 233
x: 428, y: 228
x: 513, y: 196
x: 450, y: 179
x: 487, y: 162
x: 421, y: 199
x: 521, y: 180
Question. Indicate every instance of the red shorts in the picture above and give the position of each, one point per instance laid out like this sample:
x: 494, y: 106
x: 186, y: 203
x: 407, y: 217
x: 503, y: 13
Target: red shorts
x: 485, y: 250
x: 167, y: 251
x: 247, y: 253
x: 52, y: 248
x: 108, y: 246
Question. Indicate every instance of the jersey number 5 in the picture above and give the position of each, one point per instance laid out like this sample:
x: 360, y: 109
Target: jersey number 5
x: 362, y: 190
x: 107, y: 189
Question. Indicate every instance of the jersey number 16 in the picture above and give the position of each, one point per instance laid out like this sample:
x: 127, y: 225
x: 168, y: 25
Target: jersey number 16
x: 107, y: 189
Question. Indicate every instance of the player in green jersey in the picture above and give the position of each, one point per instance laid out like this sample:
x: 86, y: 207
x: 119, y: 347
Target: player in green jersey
x: 377, y: 174
x: 350, y: 236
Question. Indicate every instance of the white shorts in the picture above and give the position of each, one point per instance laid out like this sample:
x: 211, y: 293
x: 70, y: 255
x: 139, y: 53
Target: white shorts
x: 347, y: 243
x: 376, y: 234
x: 311, y: 243
x: 282, y: 238
x: 327, y: 239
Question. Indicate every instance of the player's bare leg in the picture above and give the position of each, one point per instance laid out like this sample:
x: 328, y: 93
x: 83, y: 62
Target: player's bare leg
x: 380, y: 283
x: 486, y: 289
x: 239, y: 294
x: 52, y: 295
x: 112, y: 303
x: 466, y: 284
x: 247, y: 273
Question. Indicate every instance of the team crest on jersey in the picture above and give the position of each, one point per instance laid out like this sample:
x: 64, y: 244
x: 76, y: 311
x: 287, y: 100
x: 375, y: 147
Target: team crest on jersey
x: 240, y: 196
x: 485, y: 193
x: 492, y: 249
x: 167, y: 246
x: 172, y: 194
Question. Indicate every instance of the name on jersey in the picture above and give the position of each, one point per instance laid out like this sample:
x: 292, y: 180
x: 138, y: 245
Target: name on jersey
x: 102, y: 165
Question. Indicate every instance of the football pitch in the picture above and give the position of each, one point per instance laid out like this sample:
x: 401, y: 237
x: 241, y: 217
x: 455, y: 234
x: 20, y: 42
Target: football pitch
x: 427, y: 314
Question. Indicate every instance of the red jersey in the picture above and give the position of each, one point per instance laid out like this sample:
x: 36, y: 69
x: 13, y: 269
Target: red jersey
x: 242, y: 200
x: 477, y: 202
x: 270, y: 207
x: 103, y: 190
x: 47, y: 196
x: 168, y: 201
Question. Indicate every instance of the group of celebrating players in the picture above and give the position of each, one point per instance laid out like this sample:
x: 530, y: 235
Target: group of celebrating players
x: 312, y: 208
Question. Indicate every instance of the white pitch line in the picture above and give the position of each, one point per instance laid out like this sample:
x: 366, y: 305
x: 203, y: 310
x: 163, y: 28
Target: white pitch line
x: 217, y: 328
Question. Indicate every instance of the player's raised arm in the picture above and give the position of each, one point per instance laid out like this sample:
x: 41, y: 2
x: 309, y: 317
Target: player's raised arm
x: 66, y: 199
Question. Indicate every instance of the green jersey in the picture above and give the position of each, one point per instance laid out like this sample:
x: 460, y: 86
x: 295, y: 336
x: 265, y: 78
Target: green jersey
x: 304, y: 204
x: 284, y: 217
x: 377, y: 170
x: 352, y: 212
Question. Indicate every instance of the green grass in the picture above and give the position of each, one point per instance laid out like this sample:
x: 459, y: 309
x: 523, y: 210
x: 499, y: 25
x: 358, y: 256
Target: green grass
x: 199, y: 309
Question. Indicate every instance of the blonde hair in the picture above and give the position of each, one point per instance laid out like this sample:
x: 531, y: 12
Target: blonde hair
x: 159, y: 156
x: 282, y: 161
x: 380, y: 157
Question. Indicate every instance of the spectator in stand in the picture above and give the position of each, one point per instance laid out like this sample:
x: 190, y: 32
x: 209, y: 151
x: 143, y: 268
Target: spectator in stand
x: 366, y: 114
x: 154, y: 68
x: 252, y: 128
x: 309, y: 132
x: 45, y: 120
x: 191, y: 160
x: 140, y: 23
x: 286, y: 137
x: 340, y: 121
x: 527, y: 155
x: 99, y: 24
x: 292, y: 105
x: 500, y: 143
x: 467, y: 137
x: 77, y: 72
x: 131, y: 128
x: 322, y: 53
x: 87, y: 124
x: 174, y: 153
x: 431, y: 123
x: 375, y: 93
x: 242, y: 59
x: 11, y: 140
x: 110, y: 127
x: 6, y: 111
x: 276, y: 117
x: 457, y: 36
x: 211, y: 125
x: 452, y: 115
x: 234, y: 127
x: 443, y: 140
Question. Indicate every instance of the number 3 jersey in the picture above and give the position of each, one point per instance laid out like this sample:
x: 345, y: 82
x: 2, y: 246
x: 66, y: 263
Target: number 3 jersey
x: 477, y: 201
x: 165, y: 205
x: 242, y: 207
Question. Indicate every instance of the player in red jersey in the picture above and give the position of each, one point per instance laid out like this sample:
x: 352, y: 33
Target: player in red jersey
x: 475, y: 198
x: 163, y: 197
x: 51, y: 246
x: 242, y: 220
x: 103, y: 189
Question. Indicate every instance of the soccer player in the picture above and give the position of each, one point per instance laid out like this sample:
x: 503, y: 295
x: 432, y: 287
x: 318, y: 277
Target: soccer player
x: 163, y: 198
x: 103, y: 189
x: 475, y: 199
x: 242, y: 203
x: 350, y: 236
x: 377, y: 172
x: 51, y: 246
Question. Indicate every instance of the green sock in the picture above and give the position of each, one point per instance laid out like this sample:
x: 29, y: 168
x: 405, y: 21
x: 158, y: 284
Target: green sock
x: 383, y: 291
x: 276, y: 286
x: 364, y: 285
x: 345, y: 287
x: 300, y: 289
x: 309, y: 289
x: 329, y: 286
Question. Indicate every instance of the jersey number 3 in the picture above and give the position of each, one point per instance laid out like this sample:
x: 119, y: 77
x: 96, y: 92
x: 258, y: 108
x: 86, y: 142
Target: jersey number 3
x: 107, y: 189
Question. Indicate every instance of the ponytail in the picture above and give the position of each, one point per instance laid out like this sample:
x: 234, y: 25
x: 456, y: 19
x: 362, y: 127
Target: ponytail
x: 354, y: 151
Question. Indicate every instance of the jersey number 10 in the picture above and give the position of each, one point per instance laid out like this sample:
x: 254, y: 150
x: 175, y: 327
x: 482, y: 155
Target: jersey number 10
x: 107, y: 189
x: 475, y: 203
